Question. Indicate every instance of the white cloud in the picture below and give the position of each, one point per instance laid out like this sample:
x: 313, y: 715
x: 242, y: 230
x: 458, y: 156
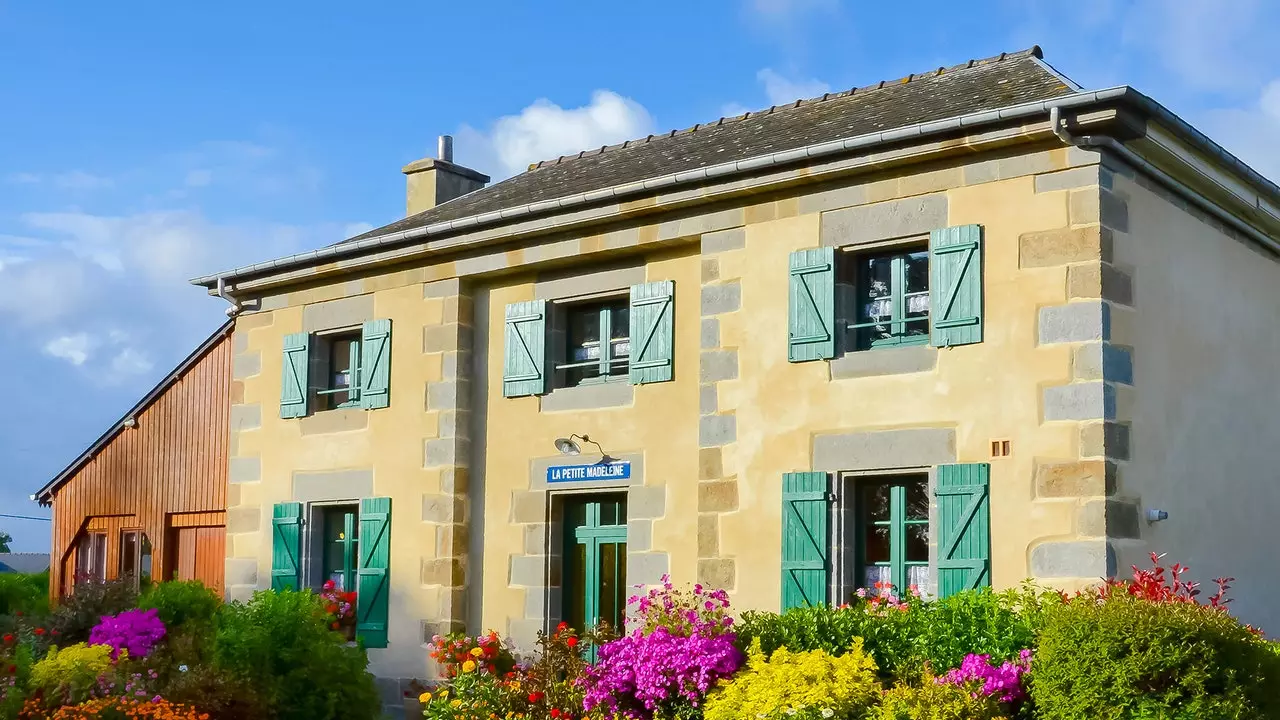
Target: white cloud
x: 781, y: 90
x: 128, y: 362
x: 72, y: 348
x: 22, y: 179
x: 81, y: 180
x: 199, y: 177
x: 1210, y: 45
x: 544, y: 131
x: 1251, y: 133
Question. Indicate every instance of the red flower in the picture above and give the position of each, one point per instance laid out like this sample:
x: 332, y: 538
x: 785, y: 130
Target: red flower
x: 8, y: 639
x: 571, y: 642
x: 13, y: 669
x: 535, y: 697
x: 562, y: 627
x: 335, y: 626
x: 555, y: 712
x: 39, y: 631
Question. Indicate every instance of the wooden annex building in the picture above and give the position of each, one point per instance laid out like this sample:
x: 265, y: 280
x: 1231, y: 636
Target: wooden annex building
x: 149, y: 497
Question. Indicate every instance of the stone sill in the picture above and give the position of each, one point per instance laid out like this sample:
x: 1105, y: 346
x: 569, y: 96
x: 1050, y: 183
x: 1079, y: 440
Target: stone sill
x: 884, y: 361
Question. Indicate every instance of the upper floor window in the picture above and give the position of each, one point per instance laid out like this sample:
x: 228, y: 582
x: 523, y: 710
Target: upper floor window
x: 340, y: 383
x: 598, y: 337
x: 908, y: 293
x: 550, y: 344
x: 891, y: 290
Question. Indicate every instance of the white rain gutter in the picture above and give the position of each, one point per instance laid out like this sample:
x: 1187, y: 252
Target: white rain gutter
x: 235, y: 308
x: 723, y: 170
x: 1188, y: 193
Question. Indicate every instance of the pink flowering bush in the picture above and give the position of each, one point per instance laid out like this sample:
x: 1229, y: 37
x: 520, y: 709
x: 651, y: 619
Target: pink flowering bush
x: 1002, y: 682
x: 681, y: 646
x: 135, y: 631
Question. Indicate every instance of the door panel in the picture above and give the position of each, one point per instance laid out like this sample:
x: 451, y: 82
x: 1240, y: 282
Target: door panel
x: 596, y: 557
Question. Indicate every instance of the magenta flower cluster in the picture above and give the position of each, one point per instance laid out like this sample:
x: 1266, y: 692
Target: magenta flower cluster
x: 1003, y: 681
x: 680, y: 647
x: 134, y: 631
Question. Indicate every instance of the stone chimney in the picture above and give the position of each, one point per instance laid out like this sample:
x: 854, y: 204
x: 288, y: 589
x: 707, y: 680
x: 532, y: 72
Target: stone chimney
x: 432, y: 181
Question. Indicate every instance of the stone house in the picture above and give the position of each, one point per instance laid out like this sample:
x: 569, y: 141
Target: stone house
x: 958, y: 329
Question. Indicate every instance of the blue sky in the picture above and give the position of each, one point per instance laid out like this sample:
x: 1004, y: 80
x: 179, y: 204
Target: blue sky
x: 145, y: 143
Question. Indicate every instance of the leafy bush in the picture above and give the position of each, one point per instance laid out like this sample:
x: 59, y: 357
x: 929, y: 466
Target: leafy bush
x: 68, y: 676
x: 804, y: 685
x: 681, y: 647
x: 928, y: 699
x: 77, y: 614
x: 1128, y: 657
x: 133, y: 631
x: 905, y: 635
x: 549, y: 680
x: 220, y: 694
x: 182, y: 603
x: 475, y: 693
x: 16, y: 661
x: 281, y: 643
x: 26, y: 593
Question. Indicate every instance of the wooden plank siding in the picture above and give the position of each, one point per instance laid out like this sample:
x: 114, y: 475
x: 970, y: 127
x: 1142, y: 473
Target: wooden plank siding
x: 167, y: 471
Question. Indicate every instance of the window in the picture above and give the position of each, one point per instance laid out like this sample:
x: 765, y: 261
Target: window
x: 340, y: 545
x: 883, y: 534
x: 340, y: 384
x: 598, y: 343
x: 135, y: 556
x: 891, y: 297
x: 91, y: 558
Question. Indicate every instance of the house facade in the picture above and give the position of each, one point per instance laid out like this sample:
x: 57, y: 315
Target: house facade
x: 148, y: 499
x: 949, y: 331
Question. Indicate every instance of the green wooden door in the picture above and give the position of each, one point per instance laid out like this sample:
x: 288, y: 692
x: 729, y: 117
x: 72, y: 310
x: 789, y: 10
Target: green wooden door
x: 595, y: 587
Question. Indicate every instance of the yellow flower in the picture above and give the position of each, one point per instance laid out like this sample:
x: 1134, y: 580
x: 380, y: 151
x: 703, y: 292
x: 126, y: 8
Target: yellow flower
x: 455, y: 703
x: 424, y: 698
x: 468, y: 666
x: 477, y: 652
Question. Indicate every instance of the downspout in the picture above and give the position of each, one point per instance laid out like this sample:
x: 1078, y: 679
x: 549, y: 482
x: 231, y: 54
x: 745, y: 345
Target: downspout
x: 1188, y: 193
x: 235, y: 308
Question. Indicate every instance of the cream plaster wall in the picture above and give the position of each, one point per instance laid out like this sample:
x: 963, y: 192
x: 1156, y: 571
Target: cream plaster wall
x: 1205, y: 421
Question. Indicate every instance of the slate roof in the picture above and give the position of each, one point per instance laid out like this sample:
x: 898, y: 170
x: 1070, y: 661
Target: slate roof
x: 996, y: 82
x: 24, y: 562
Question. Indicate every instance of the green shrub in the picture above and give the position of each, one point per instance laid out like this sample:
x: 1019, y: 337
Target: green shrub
x: 16, y: 661
x: 282, y: 645
x: 804, y: 685
x: 1125, y: 657
x: 222, y: 695
x: 76, y: 614
x: 182, y: 602
x: 905, y: 636
x: 928, y: 699
x: 67, y: 676
x: 27, y: 593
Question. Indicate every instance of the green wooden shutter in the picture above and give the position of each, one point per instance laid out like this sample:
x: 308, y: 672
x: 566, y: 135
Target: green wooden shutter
x: 286, y: 546
x: 374, y: 588
x: 805, y: 541
x: 375, y: 365
x: 955, y: 285
x: 525, y: 359
x: 652, y: 332
x: 811, y: 327
x: 293, y: 379
x: 964, y: 519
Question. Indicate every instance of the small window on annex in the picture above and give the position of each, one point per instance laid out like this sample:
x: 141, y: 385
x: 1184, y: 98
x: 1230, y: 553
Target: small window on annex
x: 890, y: 287
x: 597, y: 342
x: 135, y: 556
x: 338, y: 359
x: 882, y: 534
x: 91, y: 558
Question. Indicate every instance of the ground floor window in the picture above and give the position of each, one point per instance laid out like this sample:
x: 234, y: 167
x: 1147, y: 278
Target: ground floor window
x: 340, y: 553
x: 882, y: 534
x: 135, y: 556
x: 595, y: 558
x: 91, y: 558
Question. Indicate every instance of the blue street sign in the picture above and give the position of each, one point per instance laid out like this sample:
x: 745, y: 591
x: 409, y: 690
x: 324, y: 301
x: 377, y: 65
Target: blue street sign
x: 619, y: 470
